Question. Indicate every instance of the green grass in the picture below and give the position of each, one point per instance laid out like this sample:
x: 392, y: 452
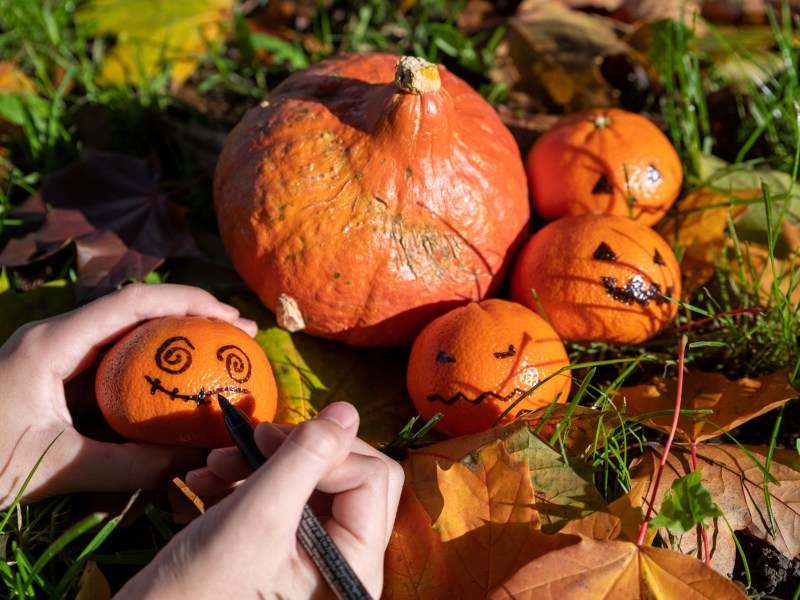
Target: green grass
x: 45, y: 546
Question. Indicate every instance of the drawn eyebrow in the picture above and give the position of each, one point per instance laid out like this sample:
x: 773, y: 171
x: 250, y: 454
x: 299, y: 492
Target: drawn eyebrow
x: 510, y: 352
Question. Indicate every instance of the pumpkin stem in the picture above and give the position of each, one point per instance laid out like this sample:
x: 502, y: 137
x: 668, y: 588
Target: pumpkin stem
x: 417, y: 76
x: 602, y: 121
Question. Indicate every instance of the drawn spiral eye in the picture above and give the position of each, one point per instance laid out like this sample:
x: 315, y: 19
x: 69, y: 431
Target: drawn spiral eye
x: 173, y: 357
x: 236, y: 363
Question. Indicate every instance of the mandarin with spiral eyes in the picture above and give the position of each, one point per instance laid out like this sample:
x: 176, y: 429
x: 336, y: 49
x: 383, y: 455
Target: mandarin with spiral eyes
x: 159, y: 383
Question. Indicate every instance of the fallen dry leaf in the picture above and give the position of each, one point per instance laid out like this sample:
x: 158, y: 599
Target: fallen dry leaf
x: 651, y: 10
x: 92, y: 584
x: 563, y: 491
x: 736, y: 485
x: 485, y: 527
x: 732, y: 402
x: 760, y: 276
x: 551, y: 51
x: 620, y: 520
x: 150, y: 35
x: 610, y: 569
x: 12, y: 80
x: 110, y: 206
x: 699, y: 228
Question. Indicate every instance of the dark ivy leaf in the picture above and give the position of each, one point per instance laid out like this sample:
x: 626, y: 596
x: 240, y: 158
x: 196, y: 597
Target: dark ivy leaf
x: 110, y: 206
x: 686, y: 504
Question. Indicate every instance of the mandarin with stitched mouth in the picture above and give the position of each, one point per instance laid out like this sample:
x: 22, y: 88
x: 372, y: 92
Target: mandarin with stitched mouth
x: 476, y: 361
x: 159, y: 383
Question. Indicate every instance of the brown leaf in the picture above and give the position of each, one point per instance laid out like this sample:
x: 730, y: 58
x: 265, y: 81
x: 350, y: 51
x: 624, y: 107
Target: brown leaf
x: 563, y: 491
x: 732, y: 402
x: 759, y: 274
x: 92, y: 584
x: 620, y: 520
x: 736, y: 485
x: 650, y: 10
x: 12, y: 80
x: 604, y: 569
x: 551, y: 51
x: 485, y: 527
x: 700, y: 229
x: 110, y: 207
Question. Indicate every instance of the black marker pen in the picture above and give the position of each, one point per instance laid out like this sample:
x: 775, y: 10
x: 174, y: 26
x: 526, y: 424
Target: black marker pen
x: 312, y: 535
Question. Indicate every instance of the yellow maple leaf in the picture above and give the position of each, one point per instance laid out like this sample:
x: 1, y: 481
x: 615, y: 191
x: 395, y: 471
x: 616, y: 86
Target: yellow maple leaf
x: 151, y: 34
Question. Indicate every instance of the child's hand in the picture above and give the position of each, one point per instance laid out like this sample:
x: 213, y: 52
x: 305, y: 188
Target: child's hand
x: 246, y: 546
x: 37, y: 360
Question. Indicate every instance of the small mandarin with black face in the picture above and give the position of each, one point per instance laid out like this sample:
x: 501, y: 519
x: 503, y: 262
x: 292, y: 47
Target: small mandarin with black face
x: 475, y: 361
x: 604, y: 161
x: 160, y: 382
x: 599, y: 278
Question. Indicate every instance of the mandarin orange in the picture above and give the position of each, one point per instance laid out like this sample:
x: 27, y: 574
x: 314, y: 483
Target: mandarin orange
x: 475, y: 361
x: 599, y: 277
x: 604, y: 160
x: 159, y: 382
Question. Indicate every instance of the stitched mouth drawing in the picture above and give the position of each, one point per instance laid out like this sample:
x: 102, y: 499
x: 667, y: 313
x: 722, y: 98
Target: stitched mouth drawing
x: 444, y: 358
x: 460, y: 396
x: 174, y: 356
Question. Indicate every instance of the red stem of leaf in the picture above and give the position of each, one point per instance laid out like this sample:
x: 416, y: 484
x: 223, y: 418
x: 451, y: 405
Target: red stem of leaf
x: 681, y: 354
x: 736, y: 311
x: 701, y: 529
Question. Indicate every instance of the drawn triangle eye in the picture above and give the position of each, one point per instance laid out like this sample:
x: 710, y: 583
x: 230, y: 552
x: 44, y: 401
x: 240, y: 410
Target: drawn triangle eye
x: 602, y: 186
x: 604, y: 252
x: 444, y: 358
x: 658, y: 259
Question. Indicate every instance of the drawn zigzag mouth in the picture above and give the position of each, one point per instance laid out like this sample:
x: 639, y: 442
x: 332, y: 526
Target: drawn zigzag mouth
x: 460, y: 396
x: 199, y: 397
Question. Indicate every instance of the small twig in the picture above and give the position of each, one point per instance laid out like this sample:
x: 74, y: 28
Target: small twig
x: 681, y: 354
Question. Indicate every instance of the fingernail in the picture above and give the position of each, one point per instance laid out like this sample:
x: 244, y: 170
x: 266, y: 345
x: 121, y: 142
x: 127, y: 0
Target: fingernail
x: 193, y: 477
x: 341, y: 413
x: 227, y: 452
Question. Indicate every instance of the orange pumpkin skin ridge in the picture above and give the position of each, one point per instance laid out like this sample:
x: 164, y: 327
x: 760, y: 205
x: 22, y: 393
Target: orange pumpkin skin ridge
x: 139, y: 375
x: 566, y: 164
x: 375, y: 209
x: 586, y: 293
x: 473, y: 362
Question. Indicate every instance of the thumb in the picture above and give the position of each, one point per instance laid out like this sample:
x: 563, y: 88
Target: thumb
x: 308, y: 454
x: 101, y: 466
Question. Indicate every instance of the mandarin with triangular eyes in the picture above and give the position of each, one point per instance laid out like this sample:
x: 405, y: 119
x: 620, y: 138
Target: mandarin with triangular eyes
x: 476, y: 361
x: 604, y: 161
x: 599, y: 278
x: 159, y: 383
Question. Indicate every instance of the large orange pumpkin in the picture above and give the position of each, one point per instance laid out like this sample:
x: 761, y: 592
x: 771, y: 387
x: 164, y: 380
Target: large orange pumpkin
x: 599, y: 277
x: 371, y: 195
x: 604, y: 161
